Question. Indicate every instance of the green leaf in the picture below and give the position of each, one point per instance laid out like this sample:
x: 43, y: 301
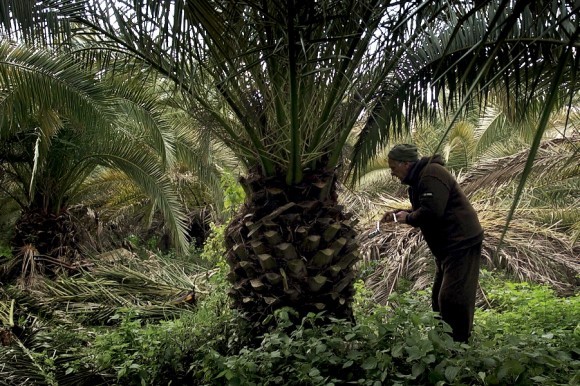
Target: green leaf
x: 397, y: 351
x: 370, y: 363
x: 314, y: 372
x: 348, y: 337
x: 415, y: 353
x: 321, y: 347
x: 429, y: 359
x: 417, y: 369
x: 489, y: 362
x: 451, y: 373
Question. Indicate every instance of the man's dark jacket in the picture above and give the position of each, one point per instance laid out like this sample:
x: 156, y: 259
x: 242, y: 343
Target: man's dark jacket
x: 440, y: 208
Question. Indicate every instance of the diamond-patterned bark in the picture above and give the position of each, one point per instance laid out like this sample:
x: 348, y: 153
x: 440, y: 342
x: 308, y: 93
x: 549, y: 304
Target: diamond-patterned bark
x: 292, y: 246
x: 52, y: 237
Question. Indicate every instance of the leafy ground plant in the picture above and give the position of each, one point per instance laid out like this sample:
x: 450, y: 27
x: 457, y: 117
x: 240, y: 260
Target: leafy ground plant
x: 407, y: 345
x: 526, y: 336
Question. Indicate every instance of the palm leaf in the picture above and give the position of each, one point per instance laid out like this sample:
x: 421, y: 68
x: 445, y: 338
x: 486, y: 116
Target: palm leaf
x: 92, y: 298
x: 551, y: 99
x: 468, y: 54
x: 107, y: 120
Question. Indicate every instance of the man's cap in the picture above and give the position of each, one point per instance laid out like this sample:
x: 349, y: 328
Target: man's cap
x: 404, y: 152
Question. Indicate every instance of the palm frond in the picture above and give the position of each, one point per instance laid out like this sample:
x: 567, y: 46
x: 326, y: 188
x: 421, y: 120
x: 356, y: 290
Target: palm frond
x: 153, y: 287
x: 7, y: 313
x: 20, y: 354
x: 506, y: 46
x: 557, y: 154
x: 20, y: 366
x: 78, y: 123
x: 460, y: 146
x: 531, y: 252
x: 142, y: 116
x: 144, y: 170
x: 397, y: 253
x: 551, y: 98
x: 34, y: 82
x: 20, y: 359
x: 24, y: 20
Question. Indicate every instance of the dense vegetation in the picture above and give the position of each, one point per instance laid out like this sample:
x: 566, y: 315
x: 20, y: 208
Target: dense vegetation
x: 187, y: 190
x: 116, y: 324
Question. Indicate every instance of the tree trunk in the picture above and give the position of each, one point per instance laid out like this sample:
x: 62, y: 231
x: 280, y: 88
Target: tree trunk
x: 292, y: 246
x: 43, y: 243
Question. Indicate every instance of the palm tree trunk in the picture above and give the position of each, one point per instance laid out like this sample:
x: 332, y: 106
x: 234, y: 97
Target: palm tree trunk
x: 292, y: 246
x: 45, y: 243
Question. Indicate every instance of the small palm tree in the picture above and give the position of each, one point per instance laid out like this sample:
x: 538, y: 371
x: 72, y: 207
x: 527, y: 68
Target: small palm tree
x: 59, y: 125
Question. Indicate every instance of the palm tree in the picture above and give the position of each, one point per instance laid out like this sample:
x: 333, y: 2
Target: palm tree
x: 59, y: 125
x: 284, y: 83
x: 196, y: 174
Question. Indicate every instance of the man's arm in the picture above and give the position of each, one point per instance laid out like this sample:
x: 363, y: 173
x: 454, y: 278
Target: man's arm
x: 433, y: 196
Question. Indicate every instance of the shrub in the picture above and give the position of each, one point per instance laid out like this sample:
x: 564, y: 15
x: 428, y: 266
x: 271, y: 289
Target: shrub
x: 138, y: 352
x: 531, y: 337
x: 408, y: 345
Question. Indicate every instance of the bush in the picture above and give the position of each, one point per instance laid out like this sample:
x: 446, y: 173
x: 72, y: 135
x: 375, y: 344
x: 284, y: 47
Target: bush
x: 528, y: 337
x: 408, y: 345
x: 386, y: 348
x: 141, y: 353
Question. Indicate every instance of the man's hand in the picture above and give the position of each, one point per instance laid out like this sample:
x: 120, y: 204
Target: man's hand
x: 395, y: 216
x: 401, y: 216
x: 389, y: 216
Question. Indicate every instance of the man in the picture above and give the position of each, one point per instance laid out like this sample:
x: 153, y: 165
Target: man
x: 451, y: 229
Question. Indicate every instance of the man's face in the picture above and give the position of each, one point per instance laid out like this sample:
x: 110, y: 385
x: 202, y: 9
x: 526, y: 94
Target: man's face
x: 399, y: 169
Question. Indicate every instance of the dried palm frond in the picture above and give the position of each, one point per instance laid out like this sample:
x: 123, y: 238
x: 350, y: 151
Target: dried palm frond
x: 369, y: 207
x: 6, y: 322
x: 22, y: 364
x: 156, y: 288
x: 30, y: 269
x: 553, y: 155
x: 19, y: 364
x: 7, y: 313
x: 398, y: 252
x: 20, y: 367
x: 530, y: 251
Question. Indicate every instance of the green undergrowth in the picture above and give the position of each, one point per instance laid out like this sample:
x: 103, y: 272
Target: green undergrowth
x: 407, y: 345
x: 525, y: 335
